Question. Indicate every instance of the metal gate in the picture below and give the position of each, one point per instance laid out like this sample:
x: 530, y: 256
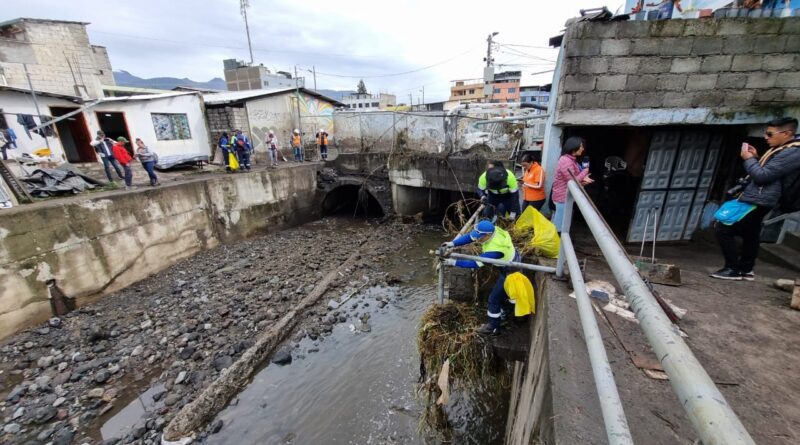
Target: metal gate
x: 680, y: 168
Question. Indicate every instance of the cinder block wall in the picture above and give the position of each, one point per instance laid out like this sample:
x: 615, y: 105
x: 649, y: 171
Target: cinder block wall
x: 226, y: 119
x: 728, y: 65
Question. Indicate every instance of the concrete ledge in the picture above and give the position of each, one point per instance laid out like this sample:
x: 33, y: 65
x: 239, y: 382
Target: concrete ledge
x: 97, y: 245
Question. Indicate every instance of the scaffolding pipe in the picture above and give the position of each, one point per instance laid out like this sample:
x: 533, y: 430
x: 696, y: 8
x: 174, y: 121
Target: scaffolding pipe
x: 471, y: 220
x: 616, y: 423
x: 479, y: 259
x: 705, y: 406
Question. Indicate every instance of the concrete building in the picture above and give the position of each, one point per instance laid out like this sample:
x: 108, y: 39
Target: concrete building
x: 674, y: 100
x: 240, y: 76
x: 58, y: 55
x: 369, y: 102
x: 535, y: 95
x: 466, y: 91
x: 505, y: 87
x: 173, y: 124
x: 257, y: 112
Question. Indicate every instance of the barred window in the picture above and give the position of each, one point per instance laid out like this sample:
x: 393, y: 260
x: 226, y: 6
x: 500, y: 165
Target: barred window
x: 171, y: 127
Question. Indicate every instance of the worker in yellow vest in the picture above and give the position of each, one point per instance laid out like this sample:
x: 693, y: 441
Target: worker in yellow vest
x: 297, y: 146
x: 322, y: 143
x: 496, y: 244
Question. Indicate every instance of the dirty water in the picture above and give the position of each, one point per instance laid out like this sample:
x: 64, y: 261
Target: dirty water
x: 359, y: 387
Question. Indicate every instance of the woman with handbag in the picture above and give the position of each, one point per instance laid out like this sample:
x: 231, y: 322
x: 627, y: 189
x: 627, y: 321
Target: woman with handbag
x: 742, y: 217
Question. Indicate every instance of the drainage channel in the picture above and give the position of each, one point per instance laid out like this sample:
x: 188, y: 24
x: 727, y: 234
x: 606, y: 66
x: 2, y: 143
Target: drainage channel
x: 357, y: 387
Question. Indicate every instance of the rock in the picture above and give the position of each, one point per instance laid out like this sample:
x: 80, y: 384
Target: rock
x: 43, y: 331
x: 222, y: 362
x: 172, y: 399
x: 216, y: 426
x: 45, y: 413
x: 333, y: 304
x: 784, y: 285
x: 271, y: 314
x: 381, y: 304
x: 95, y: 393
x: 137, y: 351
x: 18, y: 413
x: 43, y: 381
x: 187, y: 352
x: 54, y: 322
x: 113, y: 369
x: 111, y: 441
x: 12, y: 428
x: 102, y: 376
x: 109, y: 394
x: 282, y: 357
x: 59, y: 401
x: 79, y: 357
x: 146, y: 324
x: 181, y: 378
x: 159, y: 423
x: 45, y: 434
x: 63, y: 437
x: 62, y: 366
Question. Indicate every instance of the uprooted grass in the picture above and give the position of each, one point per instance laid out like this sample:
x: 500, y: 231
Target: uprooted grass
x: 448, y: 331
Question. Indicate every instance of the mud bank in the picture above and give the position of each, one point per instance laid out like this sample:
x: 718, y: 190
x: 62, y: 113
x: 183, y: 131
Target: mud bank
x: 170, y: 335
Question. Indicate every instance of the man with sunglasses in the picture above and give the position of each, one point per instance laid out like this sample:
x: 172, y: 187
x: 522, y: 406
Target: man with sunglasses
x: 763, y: 191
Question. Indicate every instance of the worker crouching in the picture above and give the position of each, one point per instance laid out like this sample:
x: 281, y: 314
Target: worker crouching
x: 496, y: 244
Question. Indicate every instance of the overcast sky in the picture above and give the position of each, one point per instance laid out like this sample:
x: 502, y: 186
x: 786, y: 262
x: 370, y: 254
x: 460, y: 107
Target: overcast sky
x: 373, y: 39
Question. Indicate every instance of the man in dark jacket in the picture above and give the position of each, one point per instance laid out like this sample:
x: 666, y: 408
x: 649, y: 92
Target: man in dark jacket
x: 104, y: 147
x: 763, y: 191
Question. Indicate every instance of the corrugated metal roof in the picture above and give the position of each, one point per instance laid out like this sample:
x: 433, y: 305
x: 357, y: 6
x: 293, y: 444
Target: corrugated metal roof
x: 42, y: 93
x: 242, y: 96
x: 147, y: 96
x: 28, y: 19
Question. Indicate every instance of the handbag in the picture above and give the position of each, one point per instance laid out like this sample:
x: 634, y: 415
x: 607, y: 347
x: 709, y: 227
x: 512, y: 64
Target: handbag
x: 733, y: 211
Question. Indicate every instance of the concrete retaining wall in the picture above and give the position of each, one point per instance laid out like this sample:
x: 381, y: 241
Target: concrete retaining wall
x: 712, y: 71
x: 380, y: 131
x: 93, y: 246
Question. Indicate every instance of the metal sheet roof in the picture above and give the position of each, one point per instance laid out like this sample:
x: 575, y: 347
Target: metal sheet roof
x: 231, y: 97
x: 43, y: 93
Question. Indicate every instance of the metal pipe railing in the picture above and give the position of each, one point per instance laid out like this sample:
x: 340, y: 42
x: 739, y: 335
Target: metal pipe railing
x: 617, y: 429
x: 533, y: 267
x: 705, y: 406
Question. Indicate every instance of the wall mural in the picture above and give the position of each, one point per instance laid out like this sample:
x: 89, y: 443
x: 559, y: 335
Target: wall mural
x: 280, y: 116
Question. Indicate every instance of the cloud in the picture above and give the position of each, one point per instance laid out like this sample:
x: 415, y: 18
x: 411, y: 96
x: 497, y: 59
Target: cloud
x: 183, y: 38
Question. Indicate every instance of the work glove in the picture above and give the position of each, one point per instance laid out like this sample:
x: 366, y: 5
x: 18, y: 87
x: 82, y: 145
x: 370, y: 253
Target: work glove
x: 513, y: 215
x: 448, y: 245
x: 449, y: 262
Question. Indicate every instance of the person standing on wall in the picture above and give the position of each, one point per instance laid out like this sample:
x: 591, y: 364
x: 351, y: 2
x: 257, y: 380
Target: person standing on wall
x: 498, y: 188
x: 532, y: 183
x: 148, y: 159
x: 297, y: 146
x: 566, y: 168
x: 224, y: 146
x: 104, y: 147
x: 771, y: 181
x: 124, y: 158
x: 272, y: 148
x: 322, y: 143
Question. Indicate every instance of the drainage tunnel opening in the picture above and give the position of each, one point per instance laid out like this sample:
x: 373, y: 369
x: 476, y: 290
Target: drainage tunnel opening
x: 352, y: 200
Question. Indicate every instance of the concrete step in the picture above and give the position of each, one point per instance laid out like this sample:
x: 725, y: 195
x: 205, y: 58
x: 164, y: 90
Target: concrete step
x: 781, y: 255
x: 792, y: 240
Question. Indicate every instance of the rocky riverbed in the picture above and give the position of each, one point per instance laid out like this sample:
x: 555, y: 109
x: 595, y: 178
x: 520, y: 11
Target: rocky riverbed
x: 169, y: 336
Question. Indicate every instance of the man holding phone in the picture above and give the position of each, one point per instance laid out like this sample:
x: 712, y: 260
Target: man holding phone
x: 763, y: 191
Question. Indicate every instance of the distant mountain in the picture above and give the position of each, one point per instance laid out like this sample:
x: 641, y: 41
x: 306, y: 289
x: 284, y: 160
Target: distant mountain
x: 126, y: 79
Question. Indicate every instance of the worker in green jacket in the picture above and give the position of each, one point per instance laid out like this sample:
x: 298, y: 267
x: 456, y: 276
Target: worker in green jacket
x: 498, y: 189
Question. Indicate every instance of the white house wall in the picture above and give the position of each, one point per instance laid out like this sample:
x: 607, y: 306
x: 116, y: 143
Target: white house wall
x: 140, y: 122
x: 14, y: 102
x: 279, y: 114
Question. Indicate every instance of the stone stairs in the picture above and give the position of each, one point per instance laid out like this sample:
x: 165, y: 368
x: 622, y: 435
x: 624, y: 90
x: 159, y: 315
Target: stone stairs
x: 785, y: 253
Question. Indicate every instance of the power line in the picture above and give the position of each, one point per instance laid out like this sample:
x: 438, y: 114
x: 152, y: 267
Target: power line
x: 401, y: 73
x: 527, y: 46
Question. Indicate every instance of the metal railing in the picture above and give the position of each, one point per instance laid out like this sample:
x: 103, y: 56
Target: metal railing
x: 712, y: 417
x: 705, y: 406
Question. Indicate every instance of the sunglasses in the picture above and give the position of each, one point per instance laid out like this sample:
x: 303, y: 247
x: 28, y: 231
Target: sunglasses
x: 769, y: 134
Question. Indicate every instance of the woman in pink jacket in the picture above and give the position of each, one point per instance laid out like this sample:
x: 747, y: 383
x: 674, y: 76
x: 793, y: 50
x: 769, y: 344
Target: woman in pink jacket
x: 568, y: 166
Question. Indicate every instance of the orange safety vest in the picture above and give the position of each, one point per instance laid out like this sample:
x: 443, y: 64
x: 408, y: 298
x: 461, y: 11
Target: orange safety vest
x: 322, y: 138
x: 296, y: 140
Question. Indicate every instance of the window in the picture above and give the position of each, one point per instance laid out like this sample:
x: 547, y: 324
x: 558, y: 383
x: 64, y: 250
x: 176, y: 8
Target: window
x: 375, y: 104
x: 512, y: 90
x: 360, y: 105
x: 171, y: 127
x: 266, y: 84
x: 471, y: 91
x: 497, y: 91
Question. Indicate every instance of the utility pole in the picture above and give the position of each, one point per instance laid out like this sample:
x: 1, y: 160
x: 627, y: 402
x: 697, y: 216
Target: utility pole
x: 488, y: 59
x: 244, y: 5
x: 297, y: 93
x: 314, y: 70
x: 423, y: 94
x: 410, y: 102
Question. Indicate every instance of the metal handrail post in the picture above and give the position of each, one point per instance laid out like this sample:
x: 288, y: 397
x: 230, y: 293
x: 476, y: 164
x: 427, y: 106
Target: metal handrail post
x: 566, y: 224
x: 705, y: 406
x: 514, y: 264
x: 616, y: 423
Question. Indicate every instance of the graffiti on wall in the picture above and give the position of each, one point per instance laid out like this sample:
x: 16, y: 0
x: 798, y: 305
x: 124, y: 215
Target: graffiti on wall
x: 279, y: 114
